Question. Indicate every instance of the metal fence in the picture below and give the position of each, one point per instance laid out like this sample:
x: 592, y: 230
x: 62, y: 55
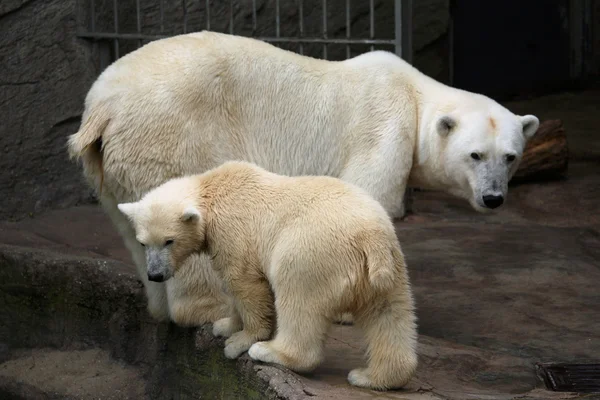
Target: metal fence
x: 90, y: 12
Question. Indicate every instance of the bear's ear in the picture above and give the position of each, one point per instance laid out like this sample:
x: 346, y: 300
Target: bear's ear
x: 445, y: 125
x: 530, y: 125
x: 128, y: 209
x: 191, y: 214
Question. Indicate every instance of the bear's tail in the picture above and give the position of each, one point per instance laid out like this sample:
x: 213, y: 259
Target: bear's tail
x: 86, y: 145
x: 385, y: 265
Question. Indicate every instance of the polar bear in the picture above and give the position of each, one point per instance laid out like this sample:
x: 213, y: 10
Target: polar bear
x: 188, y: 103
x: 300, y: 249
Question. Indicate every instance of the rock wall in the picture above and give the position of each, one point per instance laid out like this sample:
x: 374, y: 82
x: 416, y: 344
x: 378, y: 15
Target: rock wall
x: 46, y: 71
x: 44, y: 75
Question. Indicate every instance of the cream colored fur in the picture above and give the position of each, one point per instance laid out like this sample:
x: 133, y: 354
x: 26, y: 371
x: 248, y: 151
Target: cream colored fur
x: 186, y: 104
x: 303, y: 249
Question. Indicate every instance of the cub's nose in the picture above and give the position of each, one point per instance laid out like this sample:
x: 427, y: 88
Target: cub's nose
x: 156, y: 277
x: 492, y: 201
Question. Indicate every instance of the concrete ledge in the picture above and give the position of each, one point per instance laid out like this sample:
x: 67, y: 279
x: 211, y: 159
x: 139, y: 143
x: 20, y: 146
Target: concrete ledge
x: 70, y: 304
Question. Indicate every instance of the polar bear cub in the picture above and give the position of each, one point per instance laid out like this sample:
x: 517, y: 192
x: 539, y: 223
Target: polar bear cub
x: 302, y: 248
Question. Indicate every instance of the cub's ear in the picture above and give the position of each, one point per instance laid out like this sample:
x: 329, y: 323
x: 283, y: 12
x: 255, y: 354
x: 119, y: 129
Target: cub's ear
x: 191, y: 214
x: 129, y: 209
x: 445, y: 125
x: 530, y: 125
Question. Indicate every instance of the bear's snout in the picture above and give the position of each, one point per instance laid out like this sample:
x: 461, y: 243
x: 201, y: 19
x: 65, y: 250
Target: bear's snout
x: 156, y: 276
x: 493, y: 201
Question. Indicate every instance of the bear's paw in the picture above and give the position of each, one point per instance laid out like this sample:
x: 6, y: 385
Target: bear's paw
x: 237, y: 344
x: 225, y: 327
x: 261, y: 351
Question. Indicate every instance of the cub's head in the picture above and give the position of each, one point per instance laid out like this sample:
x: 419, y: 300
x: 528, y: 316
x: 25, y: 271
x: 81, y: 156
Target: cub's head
x: 169, y: 226
x: 481, y: 148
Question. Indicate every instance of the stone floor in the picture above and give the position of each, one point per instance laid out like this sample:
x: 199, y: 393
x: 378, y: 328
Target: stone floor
x: 495, y: 293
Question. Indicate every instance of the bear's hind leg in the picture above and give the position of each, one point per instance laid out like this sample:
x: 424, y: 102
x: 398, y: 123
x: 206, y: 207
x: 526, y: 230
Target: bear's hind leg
x: 391, y: 334
x: 301, y: 331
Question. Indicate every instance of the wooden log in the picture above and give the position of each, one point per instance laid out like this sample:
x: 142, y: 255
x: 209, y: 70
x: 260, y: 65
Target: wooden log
x: 546, y: 155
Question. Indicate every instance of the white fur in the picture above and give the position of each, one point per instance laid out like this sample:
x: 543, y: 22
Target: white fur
x: 298, y: 250
x: 186, y: 104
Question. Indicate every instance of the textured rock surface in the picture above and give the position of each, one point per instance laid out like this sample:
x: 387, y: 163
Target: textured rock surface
x: 58, y: 313
x: 45, y: 74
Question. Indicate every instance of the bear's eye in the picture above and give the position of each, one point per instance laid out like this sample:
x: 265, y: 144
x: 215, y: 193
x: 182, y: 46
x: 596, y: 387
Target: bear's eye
x: 475, y: 156
x: 169, y: 242
x: 142, y: 244
x: 510, y: 157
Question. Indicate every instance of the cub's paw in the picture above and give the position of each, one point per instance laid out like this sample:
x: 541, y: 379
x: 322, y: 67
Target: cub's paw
x: 262, y: 351
x: 225, y: 327
x: 238, y: 343
x: 359, y: 377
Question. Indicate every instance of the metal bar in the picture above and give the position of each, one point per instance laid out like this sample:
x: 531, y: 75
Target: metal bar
x: 116, y: 20
x: 301, y: 23
x: 407, y: 29
x: 451, y: 44
x: 208, y: 15
x: 403, y: 28
x: 253, y: 17
x: 104, y: 54
x: 93, y: 16
x: 347, y: 28
x: 162, y: 17
x: 139, y: 21
x: 134, y: 36
x: 185, y: 16
x: 403, y: 24
x: 231, y: 17
x: 92, y: 24
x: 325, y: 29
x: 277, y: 19
x: 398, y: 26
x: 372, y: 21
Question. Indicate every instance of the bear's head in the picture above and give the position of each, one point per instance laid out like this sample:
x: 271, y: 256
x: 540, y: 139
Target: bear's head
x: 479, y: 147
x: 169, y: 225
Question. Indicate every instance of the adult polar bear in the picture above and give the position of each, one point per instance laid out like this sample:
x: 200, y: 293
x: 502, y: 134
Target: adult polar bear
x: 186, y: 104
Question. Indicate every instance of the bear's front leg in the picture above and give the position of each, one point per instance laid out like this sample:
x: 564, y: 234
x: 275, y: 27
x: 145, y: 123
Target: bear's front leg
x: 254, y: 302
x: 225, y: 327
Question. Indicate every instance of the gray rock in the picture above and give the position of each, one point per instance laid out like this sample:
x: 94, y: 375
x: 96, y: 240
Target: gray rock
x: 46, y: 72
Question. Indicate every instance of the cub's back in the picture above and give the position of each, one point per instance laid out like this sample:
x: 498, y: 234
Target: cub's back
x: 327, y: 200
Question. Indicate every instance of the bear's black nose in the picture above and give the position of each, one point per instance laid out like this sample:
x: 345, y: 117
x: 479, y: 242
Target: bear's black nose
x: 492, y: 201
x: 156, y: 277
